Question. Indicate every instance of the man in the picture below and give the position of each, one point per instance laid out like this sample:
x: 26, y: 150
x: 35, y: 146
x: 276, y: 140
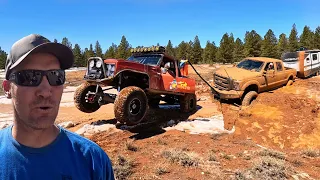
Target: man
x: 34, y: 147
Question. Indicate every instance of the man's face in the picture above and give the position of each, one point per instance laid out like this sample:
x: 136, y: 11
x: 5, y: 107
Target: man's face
x: 37, y: 107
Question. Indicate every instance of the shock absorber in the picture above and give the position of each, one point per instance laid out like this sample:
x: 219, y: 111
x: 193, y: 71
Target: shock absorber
x: 119, y: 83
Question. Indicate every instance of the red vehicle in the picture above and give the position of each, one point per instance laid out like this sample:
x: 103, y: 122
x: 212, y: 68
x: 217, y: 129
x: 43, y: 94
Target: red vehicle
x: 142, y: 81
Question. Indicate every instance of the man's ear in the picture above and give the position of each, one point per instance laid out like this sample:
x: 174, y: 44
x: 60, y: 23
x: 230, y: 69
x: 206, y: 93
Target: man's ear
x: 6, y: 88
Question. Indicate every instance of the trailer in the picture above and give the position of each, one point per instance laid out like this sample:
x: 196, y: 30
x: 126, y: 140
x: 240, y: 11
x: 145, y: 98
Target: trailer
x: 306, y: 62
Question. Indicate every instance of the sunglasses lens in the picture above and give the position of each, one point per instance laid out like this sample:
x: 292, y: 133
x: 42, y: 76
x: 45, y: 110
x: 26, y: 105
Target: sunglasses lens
x: 56, y: 77
x: 34, y: 77
x: 28, y: 78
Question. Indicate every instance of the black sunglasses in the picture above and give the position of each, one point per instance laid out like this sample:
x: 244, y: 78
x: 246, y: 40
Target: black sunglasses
x: 29, y: 77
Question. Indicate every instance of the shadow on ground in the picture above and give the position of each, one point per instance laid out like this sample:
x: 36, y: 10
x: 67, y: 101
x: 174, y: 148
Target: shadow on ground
x: 156, y: 120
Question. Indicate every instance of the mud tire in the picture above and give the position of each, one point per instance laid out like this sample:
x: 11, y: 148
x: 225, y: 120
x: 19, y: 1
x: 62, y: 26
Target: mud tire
x: 289, y: 83
x: 188, y: 103
x: 79, y: 98
x: 123, y: 102
x: 248, y: 98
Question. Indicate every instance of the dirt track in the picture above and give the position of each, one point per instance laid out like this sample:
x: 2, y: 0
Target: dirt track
x: 285, y: 120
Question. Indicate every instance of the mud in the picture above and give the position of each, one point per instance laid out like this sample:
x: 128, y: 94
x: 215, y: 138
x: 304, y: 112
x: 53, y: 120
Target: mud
x: 286, y: 119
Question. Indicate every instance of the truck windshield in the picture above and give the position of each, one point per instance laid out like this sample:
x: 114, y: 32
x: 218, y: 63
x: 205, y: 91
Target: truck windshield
x: 145, y: 59
x: 250, y: 65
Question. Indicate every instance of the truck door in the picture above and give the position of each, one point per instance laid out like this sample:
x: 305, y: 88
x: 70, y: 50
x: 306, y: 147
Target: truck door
x: 307, y: 65
x: 281, y: 74
x: 315, y: 62
x: 168, y: 78
x: 270, y: 75
x: 155, y: 77
x: 184, y: 84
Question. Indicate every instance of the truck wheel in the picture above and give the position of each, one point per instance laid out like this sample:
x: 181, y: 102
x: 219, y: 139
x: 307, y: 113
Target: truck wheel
x: 289, y: 83
x: 188, y: 103
x: 79, y: 98
x: 249, y: 97
x: 130, y: 106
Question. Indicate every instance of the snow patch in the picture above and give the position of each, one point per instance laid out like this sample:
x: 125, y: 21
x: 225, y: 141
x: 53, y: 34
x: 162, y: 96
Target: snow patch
x: 68, y: 124
x: 88, y: 129
x: 4, y: 100
x: 6, y: 119
x: 213, y: 125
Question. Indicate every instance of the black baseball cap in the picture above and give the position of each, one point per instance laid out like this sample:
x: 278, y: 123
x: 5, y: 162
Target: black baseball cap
x: 35, y: 43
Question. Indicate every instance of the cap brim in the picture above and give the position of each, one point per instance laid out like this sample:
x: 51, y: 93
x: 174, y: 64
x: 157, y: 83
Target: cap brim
x: 62, y: 52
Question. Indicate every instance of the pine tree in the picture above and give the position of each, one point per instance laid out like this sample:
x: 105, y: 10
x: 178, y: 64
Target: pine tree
x: 196, y: 51
x: 269, y: 45
x: 85, y: 56
x: 55, y: 41
x: 98, y: 50
x: 225, y: 51
x: 189, y: 51
x: 3, y: 58
x: 206, y: 53
x: 87, y: 53
x: 306, y: 38
x: 182, y: 50
x: 316, y: 38
x: 293, y: 39
x: 91, y: 52
x: 170, y: 50
x: 238, y: 51
x: 282, y: 46
x: 123, y: 49
x: 209, y: 53
x: 66, y: 42
x: 252, y: 44
x: 231, y: 45
x: 78, y: 56
x: 111, y: 52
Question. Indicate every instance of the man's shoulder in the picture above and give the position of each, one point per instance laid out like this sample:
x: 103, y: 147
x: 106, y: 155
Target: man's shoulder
x: 4, y: 131
x: 82, y: 143
x: 93, y: 152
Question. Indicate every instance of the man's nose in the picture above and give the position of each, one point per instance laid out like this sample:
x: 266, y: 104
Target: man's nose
x: 44, y: 89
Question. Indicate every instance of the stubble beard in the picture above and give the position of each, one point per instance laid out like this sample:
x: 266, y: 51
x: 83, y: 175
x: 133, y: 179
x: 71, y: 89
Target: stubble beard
x: 36, y: 121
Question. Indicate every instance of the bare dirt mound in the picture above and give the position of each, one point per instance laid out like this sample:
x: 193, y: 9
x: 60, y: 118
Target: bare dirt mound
x: 287, y: 118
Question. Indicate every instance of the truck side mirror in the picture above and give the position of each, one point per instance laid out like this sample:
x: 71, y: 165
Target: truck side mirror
x: 167, y: 65
x: 164, y: 70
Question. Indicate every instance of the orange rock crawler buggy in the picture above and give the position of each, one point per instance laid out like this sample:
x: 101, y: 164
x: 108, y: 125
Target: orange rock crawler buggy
x: 142, y: 81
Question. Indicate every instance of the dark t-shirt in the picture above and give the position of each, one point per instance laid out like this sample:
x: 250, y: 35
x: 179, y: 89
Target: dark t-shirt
x: 69, y: 157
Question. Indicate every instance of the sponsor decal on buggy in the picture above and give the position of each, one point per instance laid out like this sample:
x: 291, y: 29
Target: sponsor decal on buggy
x: 179, y: 85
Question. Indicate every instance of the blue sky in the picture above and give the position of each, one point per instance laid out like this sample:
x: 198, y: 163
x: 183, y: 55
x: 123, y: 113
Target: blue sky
x: 147, y: 22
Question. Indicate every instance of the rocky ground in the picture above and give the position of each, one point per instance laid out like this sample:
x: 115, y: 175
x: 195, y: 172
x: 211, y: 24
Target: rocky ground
x: 278, y: 137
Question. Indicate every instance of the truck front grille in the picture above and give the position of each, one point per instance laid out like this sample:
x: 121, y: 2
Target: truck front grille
x: 222, y: 83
